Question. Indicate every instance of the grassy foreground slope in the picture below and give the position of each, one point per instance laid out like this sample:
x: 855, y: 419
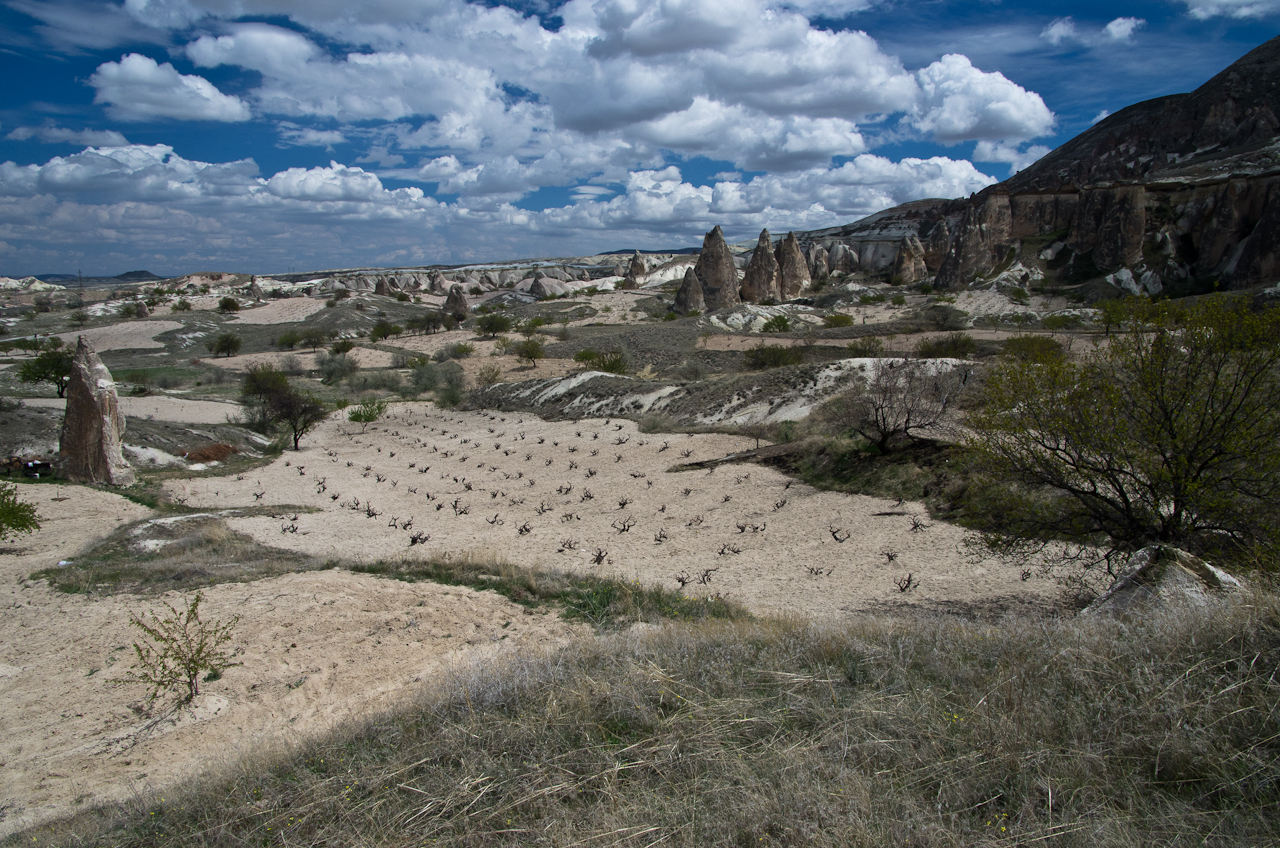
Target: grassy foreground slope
x: 933, y: 731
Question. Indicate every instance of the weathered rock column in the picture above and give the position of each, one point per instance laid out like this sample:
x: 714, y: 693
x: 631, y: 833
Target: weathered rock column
x: 92, y: 430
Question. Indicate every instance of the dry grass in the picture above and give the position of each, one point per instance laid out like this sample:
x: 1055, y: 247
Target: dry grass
x: 177, y: 552
x: 928, y: 732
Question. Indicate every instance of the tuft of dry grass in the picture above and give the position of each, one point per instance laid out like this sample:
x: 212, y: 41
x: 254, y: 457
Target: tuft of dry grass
x: 924, y: 732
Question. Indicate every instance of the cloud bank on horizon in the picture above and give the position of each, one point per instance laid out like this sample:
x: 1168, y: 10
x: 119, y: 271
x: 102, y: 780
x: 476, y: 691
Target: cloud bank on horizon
x: 308, y: 133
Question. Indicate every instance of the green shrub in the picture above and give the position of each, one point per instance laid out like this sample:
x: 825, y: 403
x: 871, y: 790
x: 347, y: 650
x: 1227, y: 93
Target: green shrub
x: 374, y: 381
x: 692, y: 370
x: 899, y: 300
x: 402, y: 297
x: 224, y: 344
x: 181, y: 647
x: 772, y: 356
x: 288, y: 340
x: 336, y: 367
x: 228, y: 304
x: 838, y: 319
x: 870, y: 347
x: 16, y: 516
x: 367, y: 412
x: 868, y: 299
x: 488, y: 374
x: 777, y: 324
x: 950, y: 346
x: 342, y: 346
x: 1033, y: 348
x: 493, y: 324
x: 530, y: 350
x: 182, y: 305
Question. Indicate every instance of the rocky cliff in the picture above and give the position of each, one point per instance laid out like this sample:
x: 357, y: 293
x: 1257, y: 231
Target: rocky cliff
x: 1181, y: 193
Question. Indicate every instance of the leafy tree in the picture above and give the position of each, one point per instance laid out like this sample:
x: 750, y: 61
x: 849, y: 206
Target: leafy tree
x: 342, y: 346
x: 228, y: 304
x: 1169, y: 434
x: 384, y: 329
x: 224, y: 344
x: 493, y: 324
x: 260, y: 384
x: 49, y: 366
x: 313, y: 337
x: 288, y: 340
x: 15, y: 516
x: 901, y: 400
x: 298, y: 411
x: 530, y: 350
x: 367, y: 412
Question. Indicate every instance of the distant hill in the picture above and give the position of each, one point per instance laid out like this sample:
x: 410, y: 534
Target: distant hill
x: 126, y: 277
x: 672, y: 252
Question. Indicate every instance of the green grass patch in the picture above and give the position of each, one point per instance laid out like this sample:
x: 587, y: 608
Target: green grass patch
x: 601, y: 601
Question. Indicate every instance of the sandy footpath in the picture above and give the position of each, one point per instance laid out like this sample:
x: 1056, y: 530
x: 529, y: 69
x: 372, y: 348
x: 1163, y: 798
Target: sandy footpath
x: 316, y: 648
x: 557, y: 494
x: 284, y: 311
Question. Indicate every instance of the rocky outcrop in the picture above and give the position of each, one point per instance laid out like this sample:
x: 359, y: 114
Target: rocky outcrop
x: 89, y: 450
x: 793, y: 269
x: 1159, y: 576
x: 980, y: 242
x: 141, y: 310
x: 456, y: 303
x: 818, y: 267
x: 717, y: 272
x: 689, y: 297
x: 841, y: 259
x: 909, y: 266
x: 636, y: 269
x: 762, y: 279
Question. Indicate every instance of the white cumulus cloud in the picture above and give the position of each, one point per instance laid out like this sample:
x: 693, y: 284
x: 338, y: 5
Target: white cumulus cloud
x: 1118, y: 30
x: 986, y: 151
x: 959, y: 101
x: 137, y: 88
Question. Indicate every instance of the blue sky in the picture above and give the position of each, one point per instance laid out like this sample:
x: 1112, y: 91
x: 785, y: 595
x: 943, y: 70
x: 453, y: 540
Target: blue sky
x: 269, y: 135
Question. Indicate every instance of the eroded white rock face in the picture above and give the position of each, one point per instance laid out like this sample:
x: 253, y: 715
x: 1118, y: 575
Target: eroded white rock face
x: 89, y: 449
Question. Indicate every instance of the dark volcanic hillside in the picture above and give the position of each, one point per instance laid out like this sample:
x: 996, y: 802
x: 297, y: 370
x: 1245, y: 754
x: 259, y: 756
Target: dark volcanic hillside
x: 1180, y: 193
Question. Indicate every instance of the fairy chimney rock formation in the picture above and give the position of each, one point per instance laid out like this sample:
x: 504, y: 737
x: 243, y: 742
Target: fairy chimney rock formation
x: 456, y: 303
x: 92, y: 429
x: 762, y: 280
x: 689, y: 297
x: 792, y: 267
x: 717, y: 272
x: 636, y: 269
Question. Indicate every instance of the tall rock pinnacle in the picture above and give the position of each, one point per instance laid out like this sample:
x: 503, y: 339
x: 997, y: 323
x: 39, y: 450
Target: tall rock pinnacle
x: 92, y: 430
x: 762, y: 280
x: 791, y: 264
x: 717, y: 273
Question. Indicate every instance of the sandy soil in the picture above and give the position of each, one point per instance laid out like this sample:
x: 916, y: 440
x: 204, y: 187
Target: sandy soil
x: 160, y: 408
x: 321, y: 647
x: 132, y: 334
x: 287, y: 311
x: 517, y: 473
x: 316, y: 648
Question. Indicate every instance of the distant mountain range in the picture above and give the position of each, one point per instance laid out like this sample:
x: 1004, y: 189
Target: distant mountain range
x: 73, y: 279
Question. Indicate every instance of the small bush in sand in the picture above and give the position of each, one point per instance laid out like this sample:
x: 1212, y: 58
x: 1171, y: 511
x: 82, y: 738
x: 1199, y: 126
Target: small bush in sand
x: 869, y: 347
x: 367, y: 412
x: 15, y: 516
x: 838, y: 319
x: 488, y: 374
x: 777, y: 324
x: 228, y: 304
x: 180, y: 648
